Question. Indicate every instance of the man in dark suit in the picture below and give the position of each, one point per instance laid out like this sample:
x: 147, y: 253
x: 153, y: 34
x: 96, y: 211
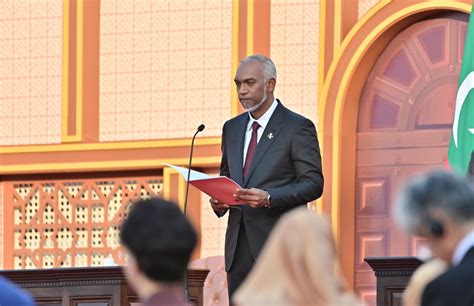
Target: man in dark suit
x: 440, y: 208
x: 273, y: 153
x: 158, y: 240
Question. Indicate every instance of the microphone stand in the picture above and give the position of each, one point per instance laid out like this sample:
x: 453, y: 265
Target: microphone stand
x: 185, y: 278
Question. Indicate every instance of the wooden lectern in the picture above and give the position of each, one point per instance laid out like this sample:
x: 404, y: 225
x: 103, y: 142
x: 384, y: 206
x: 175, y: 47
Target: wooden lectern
x: 393, y: 274
x: 99, y: 286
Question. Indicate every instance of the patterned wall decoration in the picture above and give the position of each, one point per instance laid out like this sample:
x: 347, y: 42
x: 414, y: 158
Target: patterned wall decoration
x: 165, y: 68
x: 365, y: 6
x: 69, y: 223
x: 30, y: 71
x: 294, y: 48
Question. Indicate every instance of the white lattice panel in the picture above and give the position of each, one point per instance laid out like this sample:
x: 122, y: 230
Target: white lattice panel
x: 72, y: 223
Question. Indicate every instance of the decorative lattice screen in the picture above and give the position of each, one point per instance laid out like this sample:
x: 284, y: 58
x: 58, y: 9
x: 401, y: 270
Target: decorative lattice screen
x: 69, y: 223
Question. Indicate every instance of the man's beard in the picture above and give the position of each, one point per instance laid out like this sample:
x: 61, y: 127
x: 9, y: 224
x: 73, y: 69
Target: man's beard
x: 255, y: 107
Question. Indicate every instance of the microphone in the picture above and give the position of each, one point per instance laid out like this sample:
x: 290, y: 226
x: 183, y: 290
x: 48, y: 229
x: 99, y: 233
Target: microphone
x: 199, y: 129
x: 185, y: 278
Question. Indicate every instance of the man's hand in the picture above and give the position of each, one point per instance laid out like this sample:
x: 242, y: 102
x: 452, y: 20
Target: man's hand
x: 253, y: 197
x: 218, y: 206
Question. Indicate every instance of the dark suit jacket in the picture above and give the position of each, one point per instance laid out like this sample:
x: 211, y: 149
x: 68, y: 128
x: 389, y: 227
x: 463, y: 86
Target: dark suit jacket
x: 453, y: 288
x: 286, y: 163
x: 470, y: 168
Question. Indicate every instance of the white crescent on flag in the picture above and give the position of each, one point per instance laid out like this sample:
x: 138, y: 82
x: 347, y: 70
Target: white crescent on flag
x: 466, y: 86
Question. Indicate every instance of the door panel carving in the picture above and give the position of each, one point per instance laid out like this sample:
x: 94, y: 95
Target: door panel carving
x: 404, y: 126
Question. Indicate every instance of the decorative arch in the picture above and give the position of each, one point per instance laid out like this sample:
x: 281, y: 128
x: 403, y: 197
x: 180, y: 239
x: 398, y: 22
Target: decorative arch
x: 339, y: 107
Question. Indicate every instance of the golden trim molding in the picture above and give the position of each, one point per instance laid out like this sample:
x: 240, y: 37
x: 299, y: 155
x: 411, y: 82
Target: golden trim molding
x: 250, y: 26
x: 325, y: 82
x: 162, y: 143
x: 116, y: 165
x: 79, y: 70
x: 65, y: 69
x: 322, y: 47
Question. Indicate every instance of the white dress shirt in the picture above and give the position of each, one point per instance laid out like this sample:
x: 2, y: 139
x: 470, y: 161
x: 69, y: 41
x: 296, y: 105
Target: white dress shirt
x: 262, y: 121
x: 463, y: 247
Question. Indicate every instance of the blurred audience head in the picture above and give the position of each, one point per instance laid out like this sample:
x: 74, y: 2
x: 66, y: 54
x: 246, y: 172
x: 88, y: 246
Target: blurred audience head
x: 438, y: 206
x: 297, y: 266
x: 10, y: 294
x: 420, y: 279
x: 159, y: 240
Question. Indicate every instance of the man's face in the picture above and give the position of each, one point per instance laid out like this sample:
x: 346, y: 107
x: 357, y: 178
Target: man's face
x: 250, y: 84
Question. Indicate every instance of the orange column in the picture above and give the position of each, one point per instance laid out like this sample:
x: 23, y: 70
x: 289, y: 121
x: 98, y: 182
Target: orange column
x: 251, y: 35
x: 91, y: 49
x: 69, y: 107
x: 81, y: 32
x: 261, y: 27
x: 349, y: 16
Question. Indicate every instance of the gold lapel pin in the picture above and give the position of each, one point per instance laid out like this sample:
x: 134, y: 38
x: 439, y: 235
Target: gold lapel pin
x: 270, y: 136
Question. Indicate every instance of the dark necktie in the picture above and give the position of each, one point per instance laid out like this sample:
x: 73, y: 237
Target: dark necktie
x: 251, y: 148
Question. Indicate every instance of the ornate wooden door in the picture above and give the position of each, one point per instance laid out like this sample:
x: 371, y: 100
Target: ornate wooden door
x: 404, y: 126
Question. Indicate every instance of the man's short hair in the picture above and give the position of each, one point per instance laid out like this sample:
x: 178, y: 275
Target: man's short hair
x: 268, y: 67
x: 437, y: 190
x: 160, y: 238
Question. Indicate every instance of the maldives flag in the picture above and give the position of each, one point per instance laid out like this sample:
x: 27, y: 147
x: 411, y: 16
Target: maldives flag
x: 462, y: 138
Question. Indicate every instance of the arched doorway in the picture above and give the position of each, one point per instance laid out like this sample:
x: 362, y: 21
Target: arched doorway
x: 339, y: 106
x: 403, y: 129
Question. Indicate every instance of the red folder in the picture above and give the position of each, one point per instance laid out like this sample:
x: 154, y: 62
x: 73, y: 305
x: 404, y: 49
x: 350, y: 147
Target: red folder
x: 221, y: 188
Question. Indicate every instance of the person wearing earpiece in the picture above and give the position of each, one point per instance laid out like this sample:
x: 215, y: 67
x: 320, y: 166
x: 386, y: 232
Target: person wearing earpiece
x: 439, y: 207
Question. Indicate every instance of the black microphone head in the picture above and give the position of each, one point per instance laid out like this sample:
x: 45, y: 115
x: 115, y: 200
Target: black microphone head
x: 201, y: 127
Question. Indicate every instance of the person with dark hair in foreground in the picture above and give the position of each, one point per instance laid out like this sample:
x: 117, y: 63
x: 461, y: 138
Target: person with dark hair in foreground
x: 10, y: 295
x: 159, y: 240
x: 440, y: 208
